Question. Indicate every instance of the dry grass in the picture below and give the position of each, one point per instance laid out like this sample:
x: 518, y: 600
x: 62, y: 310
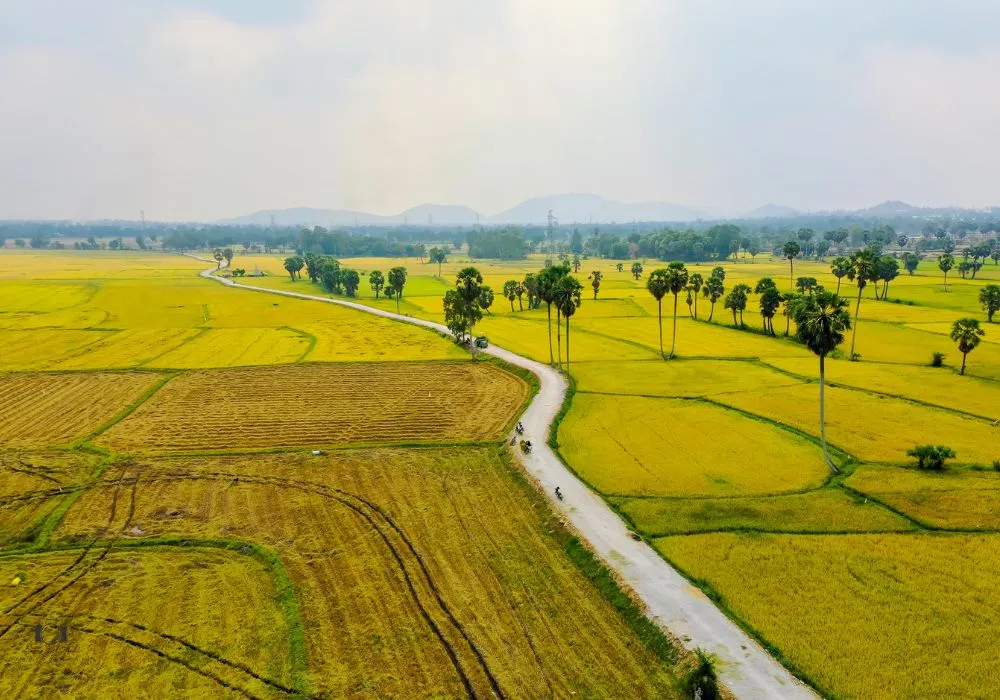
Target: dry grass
x: 323, y: 405
x: 540, y: 627
x: 51, y: 409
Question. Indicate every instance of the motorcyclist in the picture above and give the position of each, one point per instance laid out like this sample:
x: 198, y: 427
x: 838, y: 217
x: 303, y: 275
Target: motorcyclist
x: 559, y: 493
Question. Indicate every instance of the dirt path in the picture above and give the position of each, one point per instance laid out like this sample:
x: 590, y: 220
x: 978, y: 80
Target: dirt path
x: 746, y: 668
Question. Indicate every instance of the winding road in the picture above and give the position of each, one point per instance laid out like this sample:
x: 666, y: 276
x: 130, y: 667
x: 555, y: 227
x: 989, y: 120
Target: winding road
x: 673, y: 603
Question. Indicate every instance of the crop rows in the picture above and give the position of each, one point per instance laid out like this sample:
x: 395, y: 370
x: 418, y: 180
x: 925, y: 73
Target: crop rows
x: 53, y: 409
x: 323, y: 405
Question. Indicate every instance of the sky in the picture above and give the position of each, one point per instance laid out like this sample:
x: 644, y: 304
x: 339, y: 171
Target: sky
x: 206, y: 109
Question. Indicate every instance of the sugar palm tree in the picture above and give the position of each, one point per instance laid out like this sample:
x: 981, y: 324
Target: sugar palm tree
x: 967, y: 333
x: 567, y: 300
x: 677, y: 279
x: 790, y: 250
x: 840, y: 267
x: 695, y: 283
x: 545, y: 282
x: 821, y: 321
x: 658, y: 285
x: 863, y: 270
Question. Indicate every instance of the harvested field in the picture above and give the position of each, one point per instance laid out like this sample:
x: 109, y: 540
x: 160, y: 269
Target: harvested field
x: 323, y: 405
x: 385, y: 545
x: 52, y: 409
x: 142, y: 621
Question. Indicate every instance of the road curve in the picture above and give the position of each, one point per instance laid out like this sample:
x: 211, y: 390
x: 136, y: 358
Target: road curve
x: 673, y: 603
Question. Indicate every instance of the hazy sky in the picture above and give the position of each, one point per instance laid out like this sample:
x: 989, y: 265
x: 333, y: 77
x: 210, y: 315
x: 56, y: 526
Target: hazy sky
x: 200, y: 109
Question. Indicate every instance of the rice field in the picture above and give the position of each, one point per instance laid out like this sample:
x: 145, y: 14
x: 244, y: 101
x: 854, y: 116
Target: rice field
x: 323, y: 405
x: 53, y: 409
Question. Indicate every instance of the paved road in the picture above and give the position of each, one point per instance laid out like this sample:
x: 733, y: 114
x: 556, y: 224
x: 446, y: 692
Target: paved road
x: 746, y: 668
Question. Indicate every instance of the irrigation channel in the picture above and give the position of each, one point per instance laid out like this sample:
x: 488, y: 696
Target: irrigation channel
x: 746, y: 669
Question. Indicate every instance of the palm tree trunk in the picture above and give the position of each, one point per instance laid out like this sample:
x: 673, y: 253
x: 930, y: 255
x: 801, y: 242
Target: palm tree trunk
x: 822, y: 413
x: 558, y: 338
x: 711, y: 312
x: 791, y: 274
x: 964, y: 356
x: 673, y: 341
x: 548, y: 311
x: 857, y: 309
x: 567, y: 344
x: 659, y: 315
x: 946, y: 281
x: 838, y: 286
x: 696, y: 306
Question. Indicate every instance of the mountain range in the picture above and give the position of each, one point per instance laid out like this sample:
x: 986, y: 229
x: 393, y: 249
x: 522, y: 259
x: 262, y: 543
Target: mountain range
x: 568, y: 209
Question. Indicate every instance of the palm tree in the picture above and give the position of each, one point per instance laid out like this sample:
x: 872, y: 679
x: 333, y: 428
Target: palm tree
x: 821, y: 321
x: 677, y: 279
x: 377, y: 281
x: 713, y: 291
x: 595, y: 280
x: 469, y: 285
x: 510, y: 291
x: 863, y: 269
x: 545, y: 282
x: 841, y: 267
x: 790, y: 250
x: 945, y: 263
x: 658, y: 285
x: 567, y: 300
x: 967, y: 333
x: 696, y: 282
x: 397, y: 280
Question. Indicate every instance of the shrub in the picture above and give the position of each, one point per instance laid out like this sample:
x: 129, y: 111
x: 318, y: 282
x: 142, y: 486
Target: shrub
x: 702, y: 678
x: 937, y: 359
x: 931, y: 456
x: 996, y: 464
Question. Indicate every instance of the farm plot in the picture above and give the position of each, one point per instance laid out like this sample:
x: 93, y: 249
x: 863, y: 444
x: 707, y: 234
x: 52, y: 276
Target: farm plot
x: 863, y: 616
x: 956, y: 498
x: 51, y: 409
x: 875, y: 428
x: 123, y: 349
x: 33, y: 485
x: 677, y: 377
x: 668, y: 447
x: 233, y: 347
x: 37, y: 349
x: 400, y: 558
x: 824, y: 510
x: 143, y: 620
x: 323, y: 405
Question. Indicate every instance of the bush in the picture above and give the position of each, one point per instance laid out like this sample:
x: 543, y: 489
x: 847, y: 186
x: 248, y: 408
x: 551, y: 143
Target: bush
x: 931, y: 456
x: 702, y: 678
x: 937, y: 359
x: 996, y: 464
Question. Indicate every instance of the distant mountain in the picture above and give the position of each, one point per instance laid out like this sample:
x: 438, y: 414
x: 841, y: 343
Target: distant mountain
x: 587, y: 208
x: 305, y: 216
x: 771, y: 211
x: 890, y: 209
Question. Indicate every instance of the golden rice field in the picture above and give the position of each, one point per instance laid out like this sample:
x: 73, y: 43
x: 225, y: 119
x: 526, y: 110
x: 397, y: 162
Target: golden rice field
x: 863, y: 616
x: 483, y: 558
x: 871, y: 583
x: 53, y: 409
x: 630, y: 445
x: 317, y: 405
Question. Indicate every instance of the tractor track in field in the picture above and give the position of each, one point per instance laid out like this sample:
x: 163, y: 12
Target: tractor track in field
x: 670, y: 600
x: 374, y: 514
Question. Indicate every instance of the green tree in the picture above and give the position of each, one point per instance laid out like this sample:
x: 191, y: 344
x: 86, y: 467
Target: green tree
x: 576, y: 263
x: 967, y: 333
x: 677, y: 278
x: 713, y: 291
x: 886, y: 270
x: 351, y: 281
x: 227, y: 253
x: 636, y: 270
x: 486, y: 298
x: 576, y: 242
x: 312, y: 266
x: 397, y: 280
x: 437, y: 255
x: 806, y: 285
x: 293, y: 265
x: 567, y: 299
x: 658, y: 284
x: 770, y: 301
x: 546, y: 281
x: 595, y: 281
x: 330, y: 274
x: 530, y: 285
x: 695, y: 283
x: 910, y: 262
x: 989, y: 297
x: 790, y: 250
x: 519, y: 291
x: 945, y: 263
x: 840, y: 268
x: 456, y: 314
x: 931, y: 456
x: 377, y: 281
x: 821, y: 322
x: 510, y: 291
x: 863, y: 270
x: 469, y: 284
x: 736, y: 301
